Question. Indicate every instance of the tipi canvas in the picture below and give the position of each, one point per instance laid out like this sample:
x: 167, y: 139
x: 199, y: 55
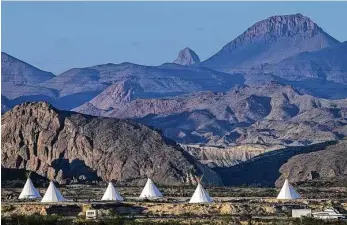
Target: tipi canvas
x: 111, y: 194
x: 150, y: 190
x: 288, y: 192
x: 52, y: 194
x: 200, y: 195
x: 29, y: 191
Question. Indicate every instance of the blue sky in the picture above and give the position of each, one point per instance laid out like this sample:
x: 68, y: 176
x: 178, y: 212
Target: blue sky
x: 56, y: 36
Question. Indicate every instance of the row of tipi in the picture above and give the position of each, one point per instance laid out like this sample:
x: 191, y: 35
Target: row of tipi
x: 30, y: 192
x: 149, y: 191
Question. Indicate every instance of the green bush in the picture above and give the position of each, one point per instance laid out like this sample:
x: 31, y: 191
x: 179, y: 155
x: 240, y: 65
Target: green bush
x: 7, y: 208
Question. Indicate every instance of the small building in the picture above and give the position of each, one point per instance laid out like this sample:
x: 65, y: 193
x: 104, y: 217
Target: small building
x: 297, y: 213
x: 91, y: 214
x: 328, y: 214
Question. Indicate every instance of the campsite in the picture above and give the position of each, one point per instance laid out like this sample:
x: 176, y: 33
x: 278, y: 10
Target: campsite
x: 170, y: 205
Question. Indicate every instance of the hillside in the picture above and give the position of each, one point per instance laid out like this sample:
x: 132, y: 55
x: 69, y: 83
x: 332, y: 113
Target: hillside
x: 63, y: 146
x: 321, y: 163
x: 17, y: 72
x: 268, y: 114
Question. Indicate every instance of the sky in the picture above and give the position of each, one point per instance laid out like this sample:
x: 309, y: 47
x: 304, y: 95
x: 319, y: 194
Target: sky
x: 57, y: 36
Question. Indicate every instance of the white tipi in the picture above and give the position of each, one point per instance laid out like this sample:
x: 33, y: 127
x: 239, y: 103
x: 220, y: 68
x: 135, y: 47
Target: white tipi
x: 29, y: 191
x: 288, y: 192
x: 111, y: 194
x: 200, y: 195
x: 52, y: 194
x: 150, y: 190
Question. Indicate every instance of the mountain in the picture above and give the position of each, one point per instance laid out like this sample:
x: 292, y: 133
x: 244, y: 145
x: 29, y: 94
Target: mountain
x: 328, y: 64
x: 17, y: 72
x: 267, y: 114
x: 276, y: 41
x: 187, y: 57
x: 329, y: 165
x: 20, y: 81
x: 78, y: 86
x: 270, y: 41
x: 63, y: 146
x: 323, y: 164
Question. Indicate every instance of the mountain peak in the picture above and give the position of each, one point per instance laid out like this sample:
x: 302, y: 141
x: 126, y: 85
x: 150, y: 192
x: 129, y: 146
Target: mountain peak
x: 287, y: 25
x: 271, y: 40
x: 187, y: 57
x: 15, y: 71
x: 279, y: 26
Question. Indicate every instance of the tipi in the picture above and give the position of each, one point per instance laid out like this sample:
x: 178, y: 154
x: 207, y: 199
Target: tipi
x: 111, y: 194
x: 288, y: 192
x: 150, y: 190
x: 200, y: 195
x: 52, y: 194
x: 29, y: 191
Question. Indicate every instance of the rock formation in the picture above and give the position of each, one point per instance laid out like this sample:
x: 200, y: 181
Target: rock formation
x: 326, y: 165
x: 319, y: 162
x: 187, y: 57
x: 64, y: 145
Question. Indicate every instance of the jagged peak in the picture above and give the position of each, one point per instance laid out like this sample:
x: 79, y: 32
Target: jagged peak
x: 187, y: 57
x: 284, y: 25
x: 42, y: 105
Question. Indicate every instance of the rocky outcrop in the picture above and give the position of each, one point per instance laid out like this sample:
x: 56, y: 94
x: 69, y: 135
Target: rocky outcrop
x: 270, y: 168
x: 187, y: 57
x: 64, y: 146
x: 327, y: 165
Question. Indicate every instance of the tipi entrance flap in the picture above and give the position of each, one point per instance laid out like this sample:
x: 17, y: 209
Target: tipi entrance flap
x: 111, y: 194
x: 150, y: 190
x: 29, y: 191
x: 52, y: 194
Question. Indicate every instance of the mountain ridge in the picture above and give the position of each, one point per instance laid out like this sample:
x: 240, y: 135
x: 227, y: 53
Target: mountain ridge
x: 245, y: 114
